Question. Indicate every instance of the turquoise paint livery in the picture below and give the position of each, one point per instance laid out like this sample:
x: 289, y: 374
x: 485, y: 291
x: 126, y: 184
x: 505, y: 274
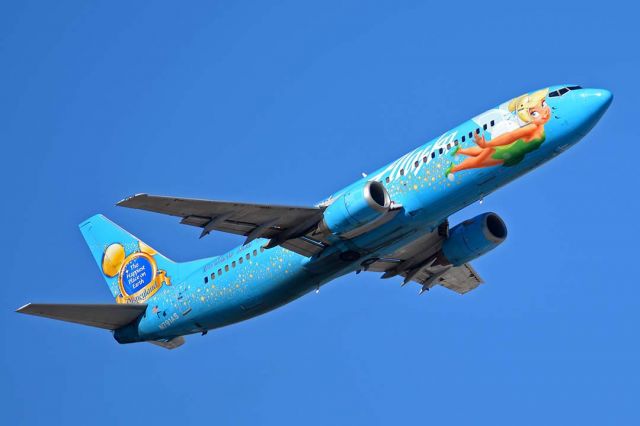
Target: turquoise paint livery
x: 250, y: 280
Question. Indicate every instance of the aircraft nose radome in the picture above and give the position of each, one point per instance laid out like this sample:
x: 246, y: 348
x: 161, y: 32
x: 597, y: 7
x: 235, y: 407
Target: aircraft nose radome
x: 591, y: 105
x: 595, y: 101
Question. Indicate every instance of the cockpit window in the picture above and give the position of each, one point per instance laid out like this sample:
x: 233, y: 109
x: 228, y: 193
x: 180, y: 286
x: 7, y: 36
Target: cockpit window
x: 563, y: 90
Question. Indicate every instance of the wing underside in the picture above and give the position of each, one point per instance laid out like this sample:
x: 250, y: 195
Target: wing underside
x: 461, y: 279
x: 288, y: 226
x: 418, y: 262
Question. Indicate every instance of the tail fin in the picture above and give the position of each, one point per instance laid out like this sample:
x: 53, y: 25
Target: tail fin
x: 133, y: 270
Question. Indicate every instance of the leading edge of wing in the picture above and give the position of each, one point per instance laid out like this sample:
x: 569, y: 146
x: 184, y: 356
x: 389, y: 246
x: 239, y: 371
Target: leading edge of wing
x: 169, y: 205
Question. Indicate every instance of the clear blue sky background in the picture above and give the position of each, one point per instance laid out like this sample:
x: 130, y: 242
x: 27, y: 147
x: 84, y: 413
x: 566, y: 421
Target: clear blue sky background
x: 285, y: 102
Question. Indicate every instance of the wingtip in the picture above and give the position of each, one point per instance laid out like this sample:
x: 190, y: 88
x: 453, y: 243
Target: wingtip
x: 23, y: 309
x: 123, y: 202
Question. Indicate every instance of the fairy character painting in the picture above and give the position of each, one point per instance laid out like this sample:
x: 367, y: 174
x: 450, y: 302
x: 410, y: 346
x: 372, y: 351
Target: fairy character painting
x: 510, y: 148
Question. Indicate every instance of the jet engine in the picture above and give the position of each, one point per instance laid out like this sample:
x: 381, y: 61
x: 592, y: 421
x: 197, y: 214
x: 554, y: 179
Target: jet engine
x: 357, y: 210
x: 473, y: 238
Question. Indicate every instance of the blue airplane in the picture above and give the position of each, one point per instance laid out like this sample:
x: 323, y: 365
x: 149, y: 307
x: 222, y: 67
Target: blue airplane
x: 393, y: 222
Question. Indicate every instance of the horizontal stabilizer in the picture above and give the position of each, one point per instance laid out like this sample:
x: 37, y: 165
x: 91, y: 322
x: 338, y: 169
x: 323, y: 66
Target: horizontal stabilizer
x: 107, y: 316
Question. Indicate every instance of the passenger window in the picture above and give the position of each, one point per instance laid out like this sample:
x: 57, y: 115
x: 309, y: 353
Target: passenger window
x: 401, y: 172
x: 255, y: 253
x: 424, y: 159
x: 463, y: 139
x: 387, y: 179
x: 206, y: 280
x: 226, y: 268
x: 455, y: 142
x: 213, y: 276
x: 448, y: 146
x: 433, y: 154
x: 440, y: 151
x: 248, y: 256
x: 240, y: 260
x: 261, y: 249
x: 219, y: 271
x: 470, y: 135
x: 493, y: 123
x: 233, y: 264
x: 417, y: 163
x: 478, y: 131
x: 484, y: 127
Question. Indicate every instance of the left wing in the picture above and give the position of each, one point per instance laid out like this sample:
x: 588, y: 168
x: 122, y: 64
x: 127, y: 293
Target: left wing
x: 287, y: 226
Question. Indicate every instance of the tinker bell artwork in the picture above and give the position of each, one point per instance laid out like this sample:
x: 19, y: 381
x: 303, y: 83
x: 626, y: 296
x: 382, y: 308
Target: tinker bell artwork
x: 509, y: 147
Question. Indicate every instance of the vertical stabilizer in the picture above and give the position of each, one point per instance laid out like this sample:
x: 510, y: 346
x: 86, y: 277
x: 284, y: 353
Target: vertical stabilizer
x: 133, y: 270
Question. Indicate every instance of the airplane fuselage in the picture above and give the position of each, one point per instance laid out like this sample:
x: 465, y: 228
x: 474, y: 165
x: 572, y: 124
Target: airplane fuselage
x: 427, y: 184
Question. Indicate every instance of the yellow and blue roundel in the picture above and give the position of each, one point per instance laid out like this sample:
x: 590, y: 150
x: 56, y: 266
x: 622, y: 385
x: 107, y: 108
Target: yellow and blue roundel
x: 138, y: 275
x: 137, y: 272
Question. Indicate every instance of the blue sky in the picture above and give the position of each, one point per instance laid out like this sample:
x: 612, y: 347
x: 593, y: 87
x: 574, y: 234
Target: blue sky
x: 285, y: 102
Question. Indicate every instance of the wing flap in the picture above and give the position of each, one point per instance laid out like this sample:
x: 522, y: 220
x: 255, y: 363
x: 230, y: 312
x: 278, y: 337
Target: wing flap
x: 461, y: 279
x: 108, y: 316
x: 419, y: 262
x: 304, y: 246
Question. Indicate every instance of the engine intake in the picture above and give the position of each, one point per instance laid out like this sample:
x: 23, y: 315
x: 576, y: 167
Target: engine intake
x: 356, y: 208
x: 473, y: 238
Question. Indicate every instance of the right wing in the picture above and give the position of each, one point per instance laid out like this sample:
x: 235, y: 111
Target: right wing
x: 287, y: 226
x: 419, y: 262
x: 461, y: 279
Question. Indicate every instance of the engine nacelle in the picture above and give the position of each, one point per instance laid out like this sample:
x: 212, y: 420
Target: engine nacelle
x: 473, y: 238
x: 360, y: 206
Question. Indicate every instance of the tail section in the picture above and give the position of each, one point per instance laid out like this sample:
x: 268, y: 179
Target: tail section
x: 133, y: 270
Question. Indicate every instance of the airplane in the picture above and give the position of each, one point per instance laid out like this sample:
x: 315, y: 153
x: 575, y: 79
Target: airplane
x: 393, y: 222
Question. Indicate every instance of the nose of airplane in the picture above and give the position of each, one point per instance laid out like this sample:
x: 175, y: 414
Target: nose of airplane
x: 594, y: 103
